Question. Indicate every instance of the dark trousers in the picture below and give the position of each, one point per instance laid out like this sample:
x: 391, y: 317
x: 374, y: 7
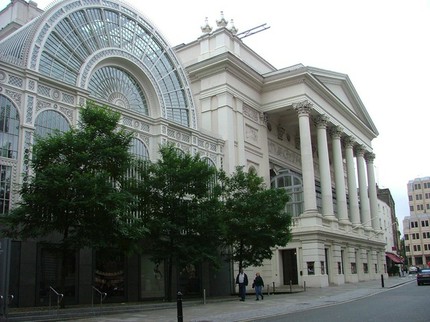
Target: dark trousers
x: 242, y: 290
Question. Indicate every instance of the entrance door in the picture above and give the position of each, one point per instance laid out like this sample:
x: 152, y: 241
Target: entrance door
x: 289, y: 263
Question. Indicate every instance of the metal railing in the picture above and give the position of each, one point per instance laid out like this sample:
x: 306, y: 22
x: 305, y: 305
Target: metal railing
x: 102, y: 296
x: 59, y: 297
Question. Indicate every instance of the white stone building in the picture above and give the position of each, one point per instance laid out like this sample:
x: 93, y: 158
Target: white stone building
x: 301, y: 128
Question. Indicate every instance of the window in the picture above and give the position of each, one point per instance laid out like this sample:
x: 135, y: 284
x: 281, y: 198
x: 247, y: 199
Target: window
x: 5, y: 187
x: 406, y: 237
x: 353, y: 268
x: 9, y: 129
x: 411, y: 208
x: 410, y: 198
x: 293, y: 184
x: 118, y: 87
x: 138, y: 149
x: 48, y: 122
x: 311, y: 268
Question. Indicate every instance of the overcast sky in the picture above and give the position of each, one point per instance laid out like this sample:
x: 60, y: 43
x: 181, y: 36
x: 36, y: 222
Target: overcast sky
x: 383, y: 46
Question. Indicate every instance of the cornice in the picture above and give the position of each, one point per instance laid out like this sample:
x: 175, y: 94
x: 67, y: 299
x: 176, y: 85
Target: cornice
x: 226, y: 62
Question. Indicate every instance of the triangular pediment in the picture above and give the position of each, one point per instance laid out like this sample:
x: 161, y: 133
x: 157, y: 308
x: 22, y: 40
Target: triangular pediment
x: 340, y: 86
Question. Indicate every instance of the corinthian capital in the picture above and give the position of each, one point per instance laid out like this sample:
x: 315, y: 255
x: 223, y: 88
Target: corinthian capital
x: 359, y: 150
x: 369, y: 157
x: 321, y: 121
x: 349, y: 142
x: 336, y: 132
x: 303, y: 108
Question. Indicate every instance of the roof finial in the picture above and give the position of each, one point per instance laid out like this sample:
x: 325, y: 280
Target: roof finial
x: 206, y: 28
x: 222, y: 22
x: 233, y: 29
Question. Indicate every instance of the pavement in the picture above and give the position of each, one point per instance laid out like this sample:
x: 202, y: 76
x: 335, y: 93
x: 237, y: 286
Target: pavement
x: 227, y: 309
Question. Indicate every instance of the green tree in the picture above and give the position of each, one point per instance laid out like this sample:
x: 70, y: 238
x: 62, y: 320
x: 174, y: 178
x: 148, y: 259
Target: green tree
x: 78, y: 192
x: 254, y: 218
x: 179, y: 199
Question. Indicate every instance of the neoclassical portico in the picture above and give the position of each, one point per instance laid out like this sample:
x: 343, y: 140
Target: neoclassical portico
x: 361, y: 210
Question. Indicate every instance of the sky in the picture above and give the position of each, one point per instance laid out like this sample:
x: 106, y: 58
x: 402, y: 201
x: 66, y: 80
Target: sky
x: 382, y: 45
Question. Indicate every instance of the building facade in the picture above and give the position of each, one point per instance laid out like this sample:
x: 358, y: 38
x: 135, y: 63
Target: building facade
x: 416, y: 229
x: 302, y: 128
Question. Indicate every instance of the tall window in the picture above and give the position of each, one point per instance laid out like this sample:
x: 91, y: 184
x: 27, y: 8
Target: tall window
x: 50, y: 121
x: 9, y: 129
x: 291, y: 182
x: 9, y: 138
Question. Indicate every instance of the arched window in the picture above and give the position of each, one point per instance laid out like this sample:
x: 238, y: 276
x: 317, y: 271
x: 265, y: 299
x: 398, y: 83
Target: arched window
x: 118, y: 87
x: 291, y: 182
x: 138, y: 149
x: 50, y: 121
x: 9, y: 129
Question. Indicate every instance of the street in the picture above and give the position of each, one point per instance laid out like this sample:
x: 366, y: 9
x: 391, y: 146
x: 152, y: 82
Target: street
x: 406, y: 303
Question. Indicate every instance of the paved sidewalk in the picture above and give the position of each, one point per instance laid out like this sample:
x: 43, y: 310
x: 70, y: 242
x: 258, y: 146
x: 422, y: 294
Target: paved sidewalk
x: 233, y: 310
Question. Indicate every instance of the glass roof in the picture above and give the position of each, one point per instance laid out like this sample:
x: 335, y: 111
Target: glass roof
x: 82, y: 33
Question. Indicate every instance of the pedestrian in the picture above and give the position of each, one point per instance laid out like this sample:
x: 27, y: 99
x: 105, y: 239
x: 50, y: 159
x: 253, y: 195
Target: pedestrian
x: 242, y: 280
x: 258, y: 286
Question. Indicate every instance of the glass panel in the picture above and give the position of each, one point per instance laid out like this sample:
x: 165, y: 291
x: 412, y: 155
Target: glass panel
x: 9, y: 129
x: 138, y: 149
x: 118, y: 87
x: 49, y: 122
x: 109, y: 274
x: 5, y: 188
x: 151, y: 278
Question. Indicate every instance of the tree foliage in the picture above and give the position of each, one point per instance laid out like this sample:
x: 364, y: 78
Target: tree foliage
x: 179, y: 201
x: 78, y: 187
x: 254, y: 218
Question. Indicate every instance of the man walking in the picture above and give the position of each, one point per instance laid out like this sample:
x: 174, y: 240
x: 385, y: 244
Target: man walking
x: 242, y: 280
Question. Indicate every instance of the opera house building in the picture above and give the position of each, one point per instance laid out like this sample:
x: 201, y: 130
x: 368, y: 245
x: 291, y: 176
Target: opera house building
x: 301, y: 128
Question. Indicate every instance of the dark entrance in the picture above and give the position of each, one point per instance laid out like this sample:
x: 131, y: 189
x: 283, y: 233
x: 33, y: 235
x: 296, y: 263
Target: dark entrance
x: 289, y: 263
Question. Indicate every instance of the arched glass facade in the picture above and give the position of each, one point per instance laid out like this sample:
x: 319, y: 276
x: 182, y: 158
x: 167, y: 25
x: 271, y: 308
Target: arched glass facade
x: 118, y: 87
x: 82, y: 33
x: 50, y: 121
x: 293, y: 184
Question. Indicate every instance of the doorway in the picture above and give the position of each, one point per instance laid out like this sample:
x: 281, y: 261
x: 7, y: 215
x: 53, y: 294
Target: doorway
x: 289, y: 264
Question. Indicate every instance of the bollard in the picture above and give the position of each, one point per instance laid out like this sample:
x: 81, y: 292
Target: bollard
x: 204, y: 296
x: 382, y: 280
x: 304, y: 286
x: 273, y: 288
x: 291, y: 286
x: 179, y: 307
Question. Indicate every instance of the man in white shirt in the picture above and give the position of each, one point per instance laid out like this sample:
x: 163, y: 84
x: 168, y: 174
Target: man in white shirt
x: 242, y: 280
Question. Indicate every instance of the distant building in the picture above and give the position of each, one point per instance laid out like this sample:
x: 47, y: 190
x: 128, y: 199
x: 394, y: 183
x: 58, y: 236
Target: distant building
x: 419, y: 195
x: 416, y: 228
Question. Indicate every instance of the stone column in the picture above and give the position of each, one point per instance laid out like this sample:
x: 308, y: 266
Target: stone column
x: 309, y: 196
x: 364, y: 198
x: 354, y: 209
x: 339, y: 175
x: 324, y: 166
x: 373, y: 196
